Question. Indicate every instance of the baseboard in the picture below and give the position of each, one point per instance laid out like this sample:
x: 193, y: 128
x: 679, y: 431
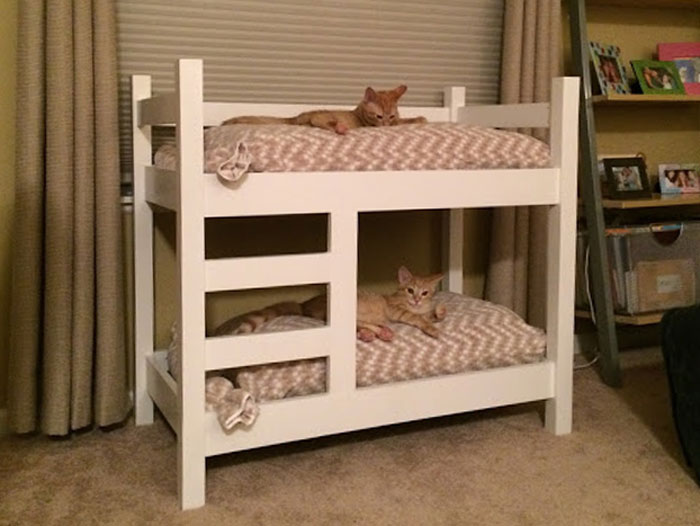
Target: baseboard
x: 4, y: 428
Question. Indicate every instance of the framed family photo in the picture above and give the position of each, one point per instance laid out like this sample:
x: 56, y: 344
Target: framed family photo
x: 679, y: 178
x: 609, y: 69
x: 627, y: 178
x: 658, y: 77
x: 686, y: 57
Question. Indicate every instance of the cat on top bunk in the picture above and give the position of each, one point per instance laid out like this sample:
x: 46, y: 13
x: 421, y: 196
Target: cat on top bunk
x: 412, y: 303
x: 377, y: 108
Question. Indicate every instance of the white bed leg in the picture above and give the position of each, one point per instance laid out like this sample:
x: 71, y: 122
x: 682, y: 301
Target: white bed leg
x: 143, y: 256
x: 453, y: 247
x: 561, y: 259
x: 190, y: 257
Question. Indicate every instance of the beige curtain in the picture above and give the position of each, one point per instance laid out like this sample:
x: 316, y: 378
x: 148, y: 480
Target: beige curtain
x: 532, y: 39
x: 67, y: 366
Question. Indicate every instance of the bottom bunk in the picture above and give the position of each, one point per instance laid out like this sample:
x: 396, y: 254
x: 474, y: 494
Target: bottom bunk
x: 486, y: 356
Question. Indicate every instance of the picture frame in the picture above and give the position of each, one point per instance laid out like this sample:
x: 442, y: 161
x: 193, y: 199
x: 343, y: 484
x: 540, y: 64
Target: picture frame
x: 679, y: 178
x: 627, y: 178
x: 610, y: 71
x: 686, y: 56
x: 658, y: 77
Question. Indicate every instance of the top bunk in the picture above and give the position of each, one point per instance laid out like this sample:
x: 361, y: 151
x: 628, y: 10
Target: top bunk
x: 186, y: 171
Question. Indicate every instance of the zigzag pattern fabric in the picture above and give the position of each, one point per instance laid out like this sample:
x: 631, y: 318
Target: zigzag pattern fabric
x: 234, y: 150
x: 475, y: 335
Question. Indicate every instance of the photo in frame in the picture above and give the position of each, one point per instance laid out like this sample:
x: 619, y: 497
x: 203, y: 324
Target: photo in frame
x: 627, y: 178
x: 679, y: 178
x: 658, y: 77
x: 611, y: 74
x: 686, y: 56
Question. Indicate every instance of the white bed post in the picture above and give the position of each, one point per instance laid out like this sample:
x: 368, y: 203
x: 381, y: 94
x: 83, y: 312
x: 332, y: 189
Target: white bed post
x: 191, y: 454
x: 342, y: 306
x: 561, y: 259
x: 143, y: 254
x: 453, y: 219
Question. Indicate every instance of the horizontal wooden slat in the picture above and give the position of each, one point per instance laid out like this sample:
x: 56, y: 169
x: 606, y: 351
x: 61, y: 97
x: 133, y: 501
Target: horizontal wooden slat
x: 163, y: 388
x: 414, y: 190
x: 227, y: 352
x: 162, y: 188
x: 158, y: 110
x: 216, y: 113
x: 506, y: 115
x: 326, y: 414
x: 267, y: 271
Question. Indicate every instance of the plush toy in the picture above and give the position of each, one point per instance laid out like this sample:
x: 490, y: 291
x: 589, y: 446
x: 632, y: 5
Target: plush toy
x: 232, y: 406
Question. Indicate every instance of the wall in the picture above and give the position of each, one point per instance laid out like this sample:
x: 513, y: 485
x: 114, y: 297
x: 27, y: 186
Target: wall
x: 8, y: 38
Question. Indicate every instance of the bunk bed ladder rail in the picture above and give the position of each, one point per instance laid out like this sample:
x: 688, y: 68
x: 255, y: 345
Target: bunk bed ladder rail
x: 184, y: 409
x: 191, y: 448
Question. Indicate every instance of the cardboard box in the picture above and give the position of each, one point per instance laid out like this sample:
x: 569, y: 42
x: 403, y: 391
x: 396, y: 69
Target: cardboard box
x: 662, y: 285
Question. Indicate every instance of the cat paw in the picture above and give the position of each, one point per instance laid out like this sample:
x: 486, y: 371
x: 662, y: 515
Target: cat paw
x: 440, y: 312
x: 385, y: 334
x: 341, y: 129
x: 421, y: 120
x: 432, y: 331
x: 365, y: 335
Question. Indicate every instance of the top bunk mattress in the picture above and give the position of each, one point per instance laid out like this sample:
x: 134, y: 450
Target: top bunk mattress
x: 232, y: 151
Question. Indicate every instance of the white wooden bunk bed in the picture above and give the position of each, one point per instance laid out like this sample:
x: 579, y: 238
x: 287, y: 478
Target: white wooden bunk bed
x: 195, y: 195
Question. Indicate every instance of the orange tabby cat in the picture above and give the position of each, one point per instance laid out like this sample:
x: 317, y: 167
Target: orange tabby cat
x: 378, y: 108
x: 412, y: 304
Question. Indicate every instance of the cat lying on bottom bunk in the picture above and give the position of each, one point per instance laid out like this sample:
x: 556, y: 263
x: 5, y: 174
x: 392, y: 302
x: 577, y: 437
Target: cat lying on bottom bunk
x: 377, y: 108
x: 412, y: 304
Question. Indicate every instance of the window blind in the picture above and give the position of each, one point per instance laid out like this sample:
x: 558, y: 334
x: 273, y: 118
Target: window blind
x: 311, y: 51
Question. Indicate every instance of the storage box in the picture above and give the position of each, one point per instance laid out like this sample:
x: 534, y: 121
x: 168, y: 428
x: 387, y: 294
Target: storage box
x: 652, y: 267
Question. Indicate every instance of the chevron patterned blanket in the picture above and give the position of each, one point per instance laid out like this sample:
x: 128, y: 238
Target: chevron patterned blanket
x: 475, y: 335
x: 234, y: 150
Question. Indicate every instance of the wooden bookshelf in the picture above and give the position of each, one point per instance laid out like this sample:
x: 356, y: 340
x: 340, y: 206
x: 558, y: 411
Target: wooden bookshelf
x: 657, y: 200
x: 628, y: 319
x: 618, y: 99
x: 650, y: 4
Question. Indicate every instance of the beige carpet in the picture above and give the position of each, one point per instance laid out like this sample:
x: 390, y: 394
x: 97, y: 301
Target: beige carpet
x: 621, y: 466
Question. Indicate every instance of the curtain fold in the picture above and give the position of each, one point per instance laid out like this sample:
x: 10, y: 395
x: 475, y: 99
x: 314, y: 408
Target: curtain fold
x: 532, y: 39
x: 67, y: 363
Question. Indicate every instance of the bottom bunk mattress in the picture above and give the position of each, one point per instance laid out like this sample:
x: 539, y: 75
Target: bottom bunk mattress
x: 474, y: 335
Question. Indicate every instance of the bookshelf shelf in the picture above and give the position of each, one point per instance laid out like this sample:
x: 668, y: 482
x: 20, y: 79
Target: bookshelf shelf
x: 649, y: 318
x: 617, y: 99
x: 650, y: 4
x: 657, y: 200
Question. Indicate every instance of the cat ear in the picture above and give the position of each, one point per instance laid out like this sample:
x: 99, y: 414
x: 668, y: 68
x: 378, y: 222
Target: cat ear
x: 404, y: 275
x: 399, y: 91
x: 434, y: 279
x: 370, y: 95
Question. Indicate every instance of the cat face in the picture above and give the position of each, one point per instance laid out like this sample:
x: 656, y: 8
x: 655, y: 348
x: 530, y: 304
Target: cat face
x: 418, y: 291
x: 380, y: 108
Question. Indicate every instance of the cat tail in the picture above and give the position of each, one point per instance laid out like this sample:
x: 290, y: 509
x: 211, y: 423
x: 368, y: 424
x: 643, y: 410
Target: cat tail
x: 252, y: 321
x: 259, y: 120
